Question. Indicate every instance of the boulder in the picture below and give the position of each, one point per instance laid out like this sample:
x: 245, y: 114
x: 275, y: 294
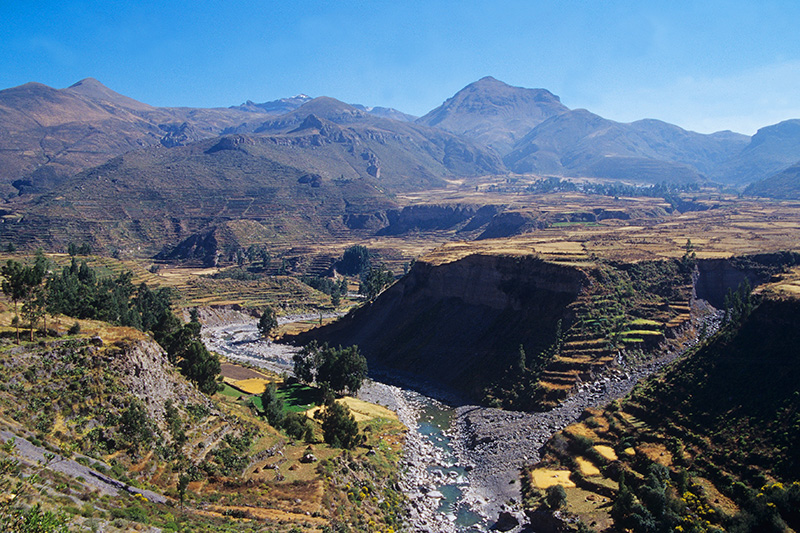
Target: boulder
x: 506, y: 521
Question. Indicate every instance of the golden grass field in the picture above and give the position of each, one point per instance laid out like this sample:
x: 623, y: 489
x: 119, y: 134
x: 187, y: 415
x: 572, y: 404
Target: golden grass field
x: 606, y: 451
x: 252, y: 385
x: 362, y: 411
x: 546, y: 477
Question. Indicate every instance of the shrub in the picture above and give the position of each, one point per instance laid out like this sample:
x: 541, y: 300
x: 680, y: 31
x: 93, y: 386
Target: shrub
x: 555, y: 497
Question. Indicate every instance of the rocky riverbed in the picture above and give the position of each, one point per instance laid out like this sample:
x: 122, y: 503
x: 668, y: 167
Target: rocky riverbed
x: 422, y: 462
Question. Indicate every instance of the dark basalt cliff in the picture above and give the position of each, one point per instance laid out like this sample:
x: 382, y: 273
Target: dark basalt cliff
x: 460, y: 324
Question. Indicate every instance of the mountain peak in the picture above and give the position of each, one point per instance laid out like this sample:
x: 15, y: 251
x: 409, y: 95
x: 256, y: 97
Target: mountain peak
x: 89, y: 83
x: 494, y: 112
x: 328, y: 108
x: 91, y: 88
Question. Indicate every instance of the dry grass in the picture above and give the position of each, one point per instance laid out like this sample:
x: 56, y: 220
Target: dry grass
x: 593, y: 509
x: 362, y: 411
x: 588, y: 468
x: 546, y: 477
x: 658, y: 453
x: 252, y: 385
x: 786, y: 286
x: 607, y: 452
x: 716, y: 498
x: 733, y: 227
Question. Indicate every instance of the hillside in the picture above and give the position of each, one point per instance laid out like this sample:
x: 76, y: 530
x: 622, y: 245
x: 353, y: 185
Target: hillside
x: 464, y: 313
x: 771, y: 150
x: 316, y: 181
x: 783, y: 185
x: 427, y: 151
x: 580, y: 143
x: 707, y: 443
x: 494, y: 113
x: 48, y: 134
x: 122, y: 427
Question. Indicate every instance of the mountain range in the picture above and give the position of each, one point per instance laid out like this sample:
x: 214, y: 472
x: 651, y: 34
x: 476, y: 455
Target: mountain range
x: 85, y: 155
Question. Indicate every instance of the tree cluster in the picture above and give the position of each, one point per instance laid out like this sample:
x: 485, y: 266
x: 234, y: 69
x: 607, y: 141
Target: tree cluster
x: 335, y: 289
x: 268, y: 322
x: 77, y: 291
x: 738, y: 304
x: 23, y: 283
x: 340, y: 369
x: 374, y: 281
x: 339, y: 426
x: 79, y: 249
x: 355, y: 261
x: 327, y: 285
x: 651, y: 507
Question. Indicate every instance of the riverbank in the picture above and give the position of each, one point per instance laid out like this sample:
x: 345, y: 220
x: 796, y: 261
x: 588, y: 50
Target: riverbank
x: 422, y: 462
x: 497, y: 444
x: 236, y: 337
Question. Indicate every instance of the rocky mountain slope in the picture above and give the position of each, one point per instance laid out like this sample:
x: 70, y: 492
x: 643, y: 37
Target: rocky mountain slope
x: 48, y: 134
x: 520, y: 332
x: 771, y: 150
x: 494, y: 113
x: 460, y: 325
x: 426, y: 153
x: 302, y: 177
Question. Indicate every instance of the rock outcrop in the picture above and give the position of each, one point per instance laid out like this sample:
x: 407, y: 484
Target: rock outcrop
x: 460, y: 324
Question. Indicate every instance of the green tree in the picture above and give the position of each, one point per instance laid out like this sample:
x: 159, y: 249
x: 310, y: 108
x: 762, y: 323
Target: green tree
x: 298, y: 426
x: 183, y: 484
x: 521, y: 359
x: 23, y: 283
x: 265, y: 258
x: 306, y: 361
x: 555, y: 497
x: 343, y: 369
x: 272, y: 405
x: 14, y: 285
x: 135, y: 426
x: 374, y: 281
x: 340, y: 369
x: 339, y: 427
x: 354, y: 261
x: 200, y: 366
x: 268, y: 322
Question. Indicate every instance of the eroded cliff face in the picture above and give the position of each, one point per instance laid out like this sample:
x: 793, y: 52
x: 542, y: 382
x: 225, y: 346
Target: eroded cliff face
x: 460, y: 324
x: 715, y: 277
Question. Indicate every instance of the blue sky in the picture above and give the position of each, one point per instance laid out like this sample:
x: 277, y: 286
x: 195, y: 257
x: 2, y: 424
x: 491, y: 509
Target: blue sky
x: 706, y: 66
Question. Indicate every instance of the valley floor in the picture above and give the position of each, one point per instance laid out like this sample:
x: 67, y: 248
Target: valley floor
x: 492, y: 445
